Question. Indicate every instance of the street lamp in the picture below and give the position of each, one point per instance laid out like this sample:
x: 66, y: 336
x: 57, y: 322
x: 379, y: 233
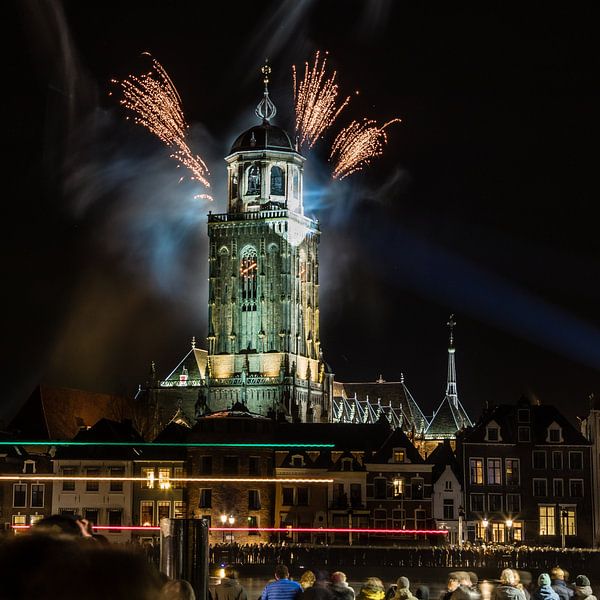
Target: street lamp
x: 223, y: 521
x: 461, y: 515
x: 509, y: 524
x: 485, y: 524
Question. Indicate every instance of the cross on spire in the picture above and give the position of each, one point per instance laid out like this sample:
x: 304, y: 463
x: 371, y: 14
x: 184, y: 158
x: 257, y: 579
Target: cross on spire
x: 266, y: 109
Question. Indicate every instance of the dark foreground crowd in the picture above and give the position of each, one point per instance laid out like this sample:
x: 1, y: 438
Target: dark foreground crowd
x: 61, y: 558
x: 495, y: 556
x: 460, y: 585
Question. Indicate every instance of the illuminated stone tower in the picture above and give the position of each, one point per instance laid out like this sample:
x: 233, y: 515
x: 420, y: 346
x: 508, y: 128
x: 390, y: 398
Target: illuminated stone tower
x: 264, y: 348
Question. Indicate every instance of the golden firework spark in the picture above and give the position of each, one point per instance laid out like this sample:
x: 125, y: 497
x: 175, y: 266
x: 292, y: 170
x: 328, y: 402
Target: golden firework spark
x: 356, y: 145
x: 315, y: 101
x: 156, y: 105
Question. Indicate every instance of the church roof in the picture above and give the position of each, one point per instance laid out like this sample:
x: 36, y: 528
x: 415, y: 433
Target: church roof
x: 263, y: 137
x: 449, y: 418
x: 191, y: 367
x: 440, y: 458
x: 394, y: 393
x: 59, y: 413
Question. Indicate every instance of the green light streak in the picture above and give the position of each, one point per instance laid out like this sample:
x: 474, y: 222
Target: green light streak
x: 158, y: 444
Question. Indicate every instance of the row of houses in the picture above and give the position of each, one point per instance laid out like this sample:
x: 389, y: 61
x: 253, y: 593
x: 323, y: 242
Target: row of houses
x: 522, y: 474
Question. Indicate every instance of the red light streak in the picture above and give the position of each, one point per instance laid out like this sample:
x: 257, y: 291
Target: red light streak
x: 275, y: 529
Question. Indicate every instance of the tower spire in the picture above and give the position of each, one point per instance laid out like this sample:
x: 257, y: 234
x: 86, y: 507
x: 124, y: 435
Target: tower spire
x: 451, y: 388
x: 266, y: 109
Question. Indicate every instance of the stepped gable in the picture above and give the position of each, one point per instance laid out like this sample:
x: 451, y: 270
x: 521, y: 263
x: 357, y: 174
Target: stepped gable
x: 59, y: 413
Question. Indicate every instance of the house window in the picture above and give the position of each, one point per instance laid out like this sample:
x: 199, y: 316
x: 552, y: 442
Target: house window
x: 148, y: 475
x: 539, y: 459
x: 163, y: 510
x: 33, y: 519
x: 399, y: 518
x: 91, y: 515
x: 355, y: 495
x: 164, y: 478
x: 19, y: 495
x: 513, y: 503
x: 206, y: 465
x: 253, y: 525
x: 524, y: 434
x: 19, y: 520
x: 37, y: 495
x: 116, y: 486
x: 558, y: 488
x: 523, y: 415
x: 287, y: 496
x: 29, y: 466
x: 68, y: 486
x: 92, y: 486
x: 254, y: 499
x: 576, y: 461
x: 554, y: 434
x: 498, y: 532
x: 346, y: 464
x: 540, y: 487
x: 398, y: 487
x: 512, y: 471
x: 380, y: 518
x: 205, y: 498
x: 477, y: 503
x: 302, y: 496
x: 576, y: 488
x: 448, y: 508
x: 146, y: 513
x: 420, y: 518
x: 517, y: 531
x: 477, y: 471
x: 380, y: 488
x: 230, y: 465
x: 179, y: 510
x: 494, y: 470
x: 399, y: 455
x: 448, y: 485
x: 178, y: 475
x: 557, y: 463
x: 114, y: 519
x: 568, y: 520
x: 495, y: 502
x: 493, y: 434
x: 418, y: 488
x: 254, y: 465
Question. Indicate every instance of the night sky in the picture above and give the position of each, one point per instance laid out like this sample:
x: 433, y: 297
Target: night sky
x: 484, y: 205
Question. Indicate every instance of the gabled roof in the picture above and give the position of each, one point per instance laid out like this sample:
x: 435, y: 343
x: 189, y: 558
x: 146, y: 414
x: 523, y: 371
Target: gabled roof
x: 387, y: 393
x: 59, y: 413
x: 192, y: 367
x: 396, y: 439
x: 440, y: 458
x: 541, y: 416
x: 449, y: 418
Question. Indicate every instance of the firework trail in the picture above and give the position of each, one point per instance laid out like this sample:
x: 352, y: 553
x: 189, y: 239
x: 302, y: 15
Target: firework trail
x: 315, y: 101
x: 156, y: 104
x: 356, y: 145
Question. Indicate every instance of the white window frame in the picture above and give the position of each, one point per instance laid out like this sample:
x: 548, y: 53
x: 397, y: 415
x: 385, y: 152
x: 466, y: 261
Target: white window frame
x: 554, y: 426
x: 571, y: 453
x: 545, y: 480
x: 524, y: 429
x: 471, y: 460
x: 518, y: 462
x: 31, y: 495
x: 497, y: 510
x: 571, y: 481
x: 557, y: 453
x: 471, y: 497
x: 488, y: 470
x: 555, y: 480
x: 551, y: 530
x: 146, y: 503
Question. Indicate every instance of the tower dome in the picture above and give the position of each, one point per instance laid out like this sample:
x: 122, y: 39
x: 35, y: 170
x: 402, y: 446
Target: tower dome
x: 263, y: 137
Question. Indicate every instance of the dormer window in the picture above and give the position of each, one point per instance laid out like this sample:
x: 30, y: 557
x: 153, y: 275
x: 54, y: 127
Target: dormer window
x: 346, y: 464
x: 29, y: 466
x: 399, y: 455
x: 554, y: 434
x: 298, y: 460
x: 492, y: 432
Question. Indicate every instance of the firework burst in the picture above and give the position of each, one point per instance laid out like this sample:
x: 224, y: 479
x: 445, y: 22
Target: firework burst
x: 356, y: 145
x: 315, y: 101
x: 156, y: 105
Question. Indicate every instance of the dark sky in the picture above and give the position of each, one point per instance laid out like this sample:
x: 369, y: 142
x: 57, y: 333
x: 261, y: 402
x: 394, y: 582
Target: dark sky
x: 484, y: 204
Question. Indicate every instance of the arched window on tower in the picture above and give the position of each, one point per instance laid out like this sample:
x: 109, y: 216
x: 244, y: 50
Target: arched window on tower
x: 277, y: 181
x: 248, y: 283
x: 253, y: 180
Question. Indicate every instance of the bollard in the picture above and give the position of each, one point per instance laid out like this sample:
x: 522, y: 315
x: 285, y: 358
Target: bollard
x: 184, y: 552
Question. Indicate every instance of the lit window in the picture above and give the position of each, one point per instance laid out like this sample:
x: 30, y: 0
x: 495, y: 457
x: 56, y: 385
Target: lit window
x: 517, y: 531
x: 398, y: 487
x: 547, y: 515
x: 477, y: 471
x: 148, y: 475
x: 494, y: 471
x: 512, y: 471
x: 163, y: 510
x: 146, y: 513
x: 399, y: 455
x: 568, y: 520
x: 179, y: 509
x: 19, y: 519
x: 498, y: 532
x: 164, y: 478
x: 33, y: 519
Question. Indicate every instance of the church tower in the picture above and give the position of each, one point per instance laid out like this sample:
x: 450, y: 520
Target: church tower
x: 264, y: 348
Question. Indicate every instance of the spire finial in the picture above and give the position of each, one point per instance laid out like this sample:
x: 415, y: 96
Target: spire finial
x: 266, y: 109
x: 193, y: 342
x: 451, y: 324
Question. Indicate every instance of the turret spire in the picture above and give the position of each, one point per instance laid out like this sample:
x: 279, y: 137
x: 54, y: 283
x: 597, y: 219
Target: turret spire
x: 451, y: 388
x: 266, y: 109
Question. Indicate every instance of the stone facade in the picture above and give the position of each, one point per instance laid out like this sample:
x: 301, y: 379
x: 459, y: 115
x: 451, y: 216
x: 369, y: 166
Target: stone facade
x: 590, y: 427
